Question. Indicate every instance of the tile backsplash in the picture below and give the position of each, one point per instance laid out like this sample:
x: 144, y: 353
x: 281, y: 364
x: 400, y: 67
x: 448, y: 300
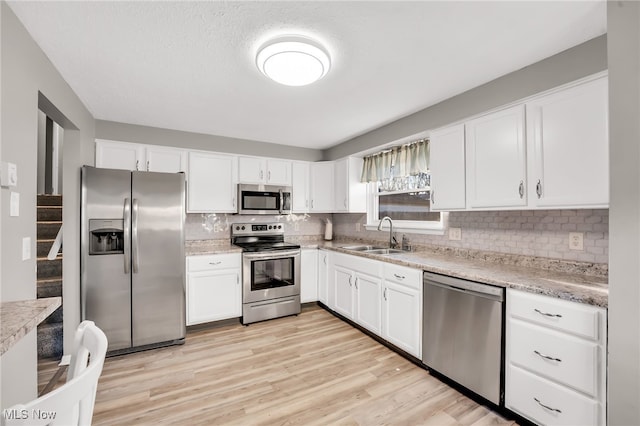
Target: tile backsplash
x: 215, y: 226
x: 540, y: 233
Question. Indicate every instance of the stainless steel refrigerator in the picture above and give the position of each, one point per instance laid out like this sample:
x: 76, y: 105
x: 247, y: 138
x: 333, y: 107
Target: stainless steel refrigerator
x: 132, y: 256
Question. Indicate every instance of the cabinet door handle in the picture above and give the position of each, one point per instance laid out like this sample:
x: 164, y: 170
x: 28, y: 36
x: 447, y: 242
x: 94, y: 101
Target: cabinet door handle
x: 306, y: 203
x: 356, y: 283
x: 546, y: 406
x: 233, y: 201
x: 521, y: 189
x: 325, y: 259
x: 539, y: 188
x: 546, y: 314
x: 269, y: 176
x: 147, y: 165
x: 541, y: 355
x: 433, y: 196
x: 350, y: 280
x: 237, y: 279
x: 311, y: 203
x: 137, y: 164
x: 216, y: 262
x: 384, y: 293
x: 261, y: 174
x: 400, y: 277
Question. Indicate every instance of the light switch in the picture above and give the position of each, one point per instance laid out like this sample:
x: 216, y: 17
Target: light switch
x: 14, y: 204
x: 26, y: 248
x: 8, y: 174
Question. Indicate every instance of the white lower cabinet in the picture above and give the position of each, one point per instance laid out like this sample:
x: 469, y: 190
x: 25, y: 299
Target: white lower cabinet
x: 323, y: 277
x: 214, y: 290
x: 555, y: 360
x: 402, y: 308
x: 308, y: 275
x: 384, y: 298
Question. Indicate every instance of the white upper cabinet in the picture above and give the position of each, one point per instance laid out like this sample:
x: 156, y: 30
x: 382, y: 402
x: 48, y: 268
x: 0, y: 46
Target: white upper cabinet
x: 168, y: 160
x: 211, y: 183
x: 496, y: 160
x: 300, y: 187
x: 260, y: 170
x: 322, y: 193
x: 119, y: 155
x: 447, y: 167
x: 350, y: 193
x: 567, y: 134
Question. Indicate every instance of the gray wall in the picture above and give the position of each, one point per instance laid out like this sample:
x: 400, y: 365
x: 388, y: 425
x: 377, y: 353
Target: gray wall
x: 572, y: 64
x: 29, y: 81
x: 623, y: 21
x: 156, y: 136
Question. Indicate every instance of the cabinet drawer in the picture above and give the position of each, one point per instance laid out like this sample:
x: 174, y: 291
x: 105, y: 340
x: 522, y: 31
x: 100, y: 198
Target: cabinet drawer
x: 576, y: 318
x: 528, y: 394
x: 213, y: 262
x: 565, y: 359
x: 403, y: 275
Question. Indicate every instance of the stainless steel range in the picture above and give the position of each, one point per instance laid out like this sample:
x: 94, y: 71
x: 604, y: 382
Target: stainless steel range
x: 270, y: 271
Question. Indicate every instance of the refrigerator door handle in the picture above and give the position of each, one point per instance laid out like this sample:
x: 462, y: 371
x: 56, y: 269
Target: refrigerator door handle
x: 127, y: 236
x: 134, y: 235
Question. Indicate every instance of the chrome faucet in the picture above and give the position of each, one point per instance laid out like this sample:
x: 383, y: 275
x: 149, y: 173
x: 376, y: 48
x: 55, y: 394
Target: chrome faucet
x: 392, y: 239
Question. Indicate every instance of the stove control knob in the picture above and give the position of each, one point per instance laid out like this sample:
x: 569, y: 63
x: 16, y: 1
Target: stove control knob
x: 237, y: 228
x: 243, y: 228
x: 270, y: 226
x: 279, y: 226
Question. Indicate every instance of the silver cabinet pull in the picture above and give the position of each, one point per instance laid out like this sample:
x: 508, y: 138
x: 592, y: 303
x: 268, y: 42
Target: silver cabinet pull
x: 539, y: 188
x: 541, y: 355
x: 400, y: 277
x: 269, y: 176
x: 521, y: 189
x: 261, y: 174
x: 306, y: 203
x: 216, y: 262
x: 384, y: 293
x: 356, y: 283
x: 350, y: 280
x: 433, y: 196
x: 546, y: 406
x: 147, y: 165
x: 546, y: 314
x: 137, y: 164
x: 311, y: 203
x: 325, y: 259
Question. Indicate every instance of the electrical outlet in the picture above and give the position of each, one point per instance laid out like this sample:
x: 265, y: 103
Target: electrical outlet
x: 357, y: 226
x: 455, y: 234
x: 216, y: 227
x: 576, y: 241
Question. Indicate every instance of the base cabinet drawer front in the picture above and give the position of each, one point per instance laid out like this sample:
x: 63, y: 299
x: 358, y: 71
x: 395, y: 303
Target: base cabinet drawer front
x: 213, y: 262
x: 575, y: 318
x: 403, y: 275
x: 559, y: 357
x: 547, y: 403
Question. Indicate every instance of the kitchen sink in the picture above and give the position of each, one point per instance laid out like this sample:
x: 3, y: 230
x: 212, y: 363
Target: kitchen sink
x: 363, y: 248
x: 384, y: 251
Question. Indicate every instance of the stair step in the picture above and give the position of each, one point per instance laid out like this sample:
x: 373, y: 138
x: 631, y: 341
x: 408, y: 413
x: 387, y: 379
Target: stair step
x: 51, y: 287
x: 50, y: 340
x: 47, y: 230
x: 49, y: 213
x: 43, y: 247
x: 49, y: 268
x: 49, y: 200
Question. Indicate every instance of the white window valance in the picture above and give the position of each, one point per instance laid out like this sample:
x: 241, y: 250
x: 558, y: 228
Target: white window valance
x: 400, y: 161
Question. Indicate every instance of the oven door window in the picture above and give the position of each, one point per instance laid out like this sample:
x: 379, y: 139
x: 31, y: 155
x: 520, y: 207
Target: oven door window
x: 272, y: 273
x: 253, y: 200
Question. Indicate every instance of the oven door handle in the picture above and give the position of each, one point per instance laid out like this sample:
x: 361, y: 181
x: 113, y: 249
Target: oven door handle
x: 281, y: 201
x: 271, y: 255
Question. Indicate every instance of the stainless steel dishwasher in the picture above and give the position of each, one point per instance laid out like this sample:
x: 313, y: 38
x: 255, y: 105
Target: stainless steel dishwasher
x: 462, y: 333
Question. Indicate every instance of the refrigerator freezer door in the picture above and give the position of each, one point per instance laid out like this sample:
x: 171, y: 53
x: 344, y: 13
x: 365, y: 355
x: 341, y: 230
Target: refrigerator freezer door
x: 105, y: 288
x: 158, y: 278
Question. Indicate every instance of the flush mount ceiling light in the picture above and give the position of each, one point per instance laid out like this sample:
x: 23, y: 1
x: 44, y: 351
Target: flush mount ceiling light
x: 293, y: 61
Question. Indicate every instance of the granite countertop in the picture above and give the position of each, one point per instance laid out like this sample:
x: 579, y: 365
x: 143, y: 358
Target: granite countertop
x: 577, y: 287
x: 20, y: 317
x: 574, y: 281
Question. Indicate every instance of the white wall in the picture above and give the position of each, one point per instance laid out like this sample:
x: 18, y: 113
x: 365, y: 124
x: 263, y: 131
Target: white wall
x: 623, y: 21
x: 28, y: 82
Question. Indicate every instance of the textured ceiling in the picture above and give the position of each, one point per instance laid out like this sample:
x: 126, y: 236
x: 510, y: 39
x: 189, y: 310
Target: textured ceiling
x: 191, y: 65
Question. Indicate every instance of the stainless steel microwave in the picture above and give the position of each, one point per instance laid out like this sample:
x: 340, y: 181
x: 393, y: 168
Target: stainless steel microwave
x: 264, y: 199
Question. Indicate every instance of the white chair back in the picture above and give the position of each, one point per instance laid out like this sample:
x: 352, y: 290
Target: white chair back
x: 73, y: 402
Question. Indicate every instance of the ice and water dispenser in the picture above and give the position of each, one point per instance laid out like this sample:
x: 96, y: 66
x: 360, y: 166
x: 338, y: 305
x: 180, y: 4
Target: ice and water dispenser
x: 106, y: 236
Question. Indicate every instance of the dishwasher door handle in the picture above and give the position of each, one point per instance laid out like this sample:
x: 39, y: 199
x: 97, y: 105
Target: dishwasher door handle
x: 465, y: 291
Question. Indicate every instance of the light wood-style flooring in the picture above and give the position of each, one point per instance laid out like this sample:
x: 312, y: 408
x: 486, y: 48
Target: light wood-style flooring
x: 307, y: 369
